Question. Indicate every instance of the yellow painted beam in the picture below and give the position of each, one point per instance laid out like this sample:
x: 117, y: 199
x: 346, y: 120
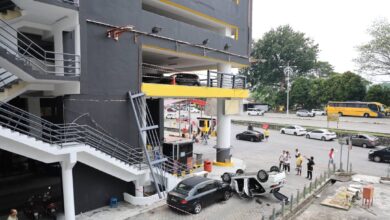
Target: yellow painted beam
x: 163, y: 90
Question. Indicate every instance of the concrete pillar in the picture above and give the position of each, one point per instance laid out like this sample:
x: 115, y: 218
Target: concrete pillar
x: 224, y: 124
x: 67, y: 185
x: 77, y: 47
x: 139, y: 189
x: 59, y: 49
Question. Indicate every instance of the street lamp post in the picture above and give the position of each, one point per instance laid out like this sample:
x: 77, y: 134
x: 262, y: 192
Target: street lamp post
x: 288, y: 70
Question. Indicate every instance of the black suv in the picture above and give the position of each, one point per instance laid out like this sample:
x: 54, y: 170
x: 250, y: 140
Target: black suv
x: 194, y: 193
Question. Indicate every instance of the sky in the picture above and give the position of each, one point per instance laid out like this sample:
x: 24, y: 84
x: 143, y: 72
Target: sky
x: 338, y: 26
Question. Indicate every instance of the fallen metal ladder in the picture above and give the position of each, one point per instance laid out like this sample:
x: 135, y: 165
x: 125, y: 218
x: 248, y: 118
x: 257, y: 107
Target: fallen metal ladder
x: 150, y: 140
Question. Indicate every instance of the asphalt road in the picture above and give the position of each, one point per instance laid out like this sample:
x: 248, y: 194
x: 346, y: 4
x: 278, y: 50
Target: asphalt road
x: 381, y: 125
x: 262, y: 156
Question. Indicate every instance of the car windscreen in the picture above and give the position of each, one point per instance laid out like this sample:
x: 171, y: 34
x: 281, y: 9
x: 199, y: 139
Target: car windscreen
x: 183, y: 189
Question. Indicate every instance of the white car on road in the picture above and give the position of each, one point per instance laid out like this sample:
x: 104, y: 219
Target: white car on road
x: 321, y: 134
x: 293, y: 129
x: 170, y: 116
x: 318, y: 112
x: 254, y: 111
x: 305, y: 113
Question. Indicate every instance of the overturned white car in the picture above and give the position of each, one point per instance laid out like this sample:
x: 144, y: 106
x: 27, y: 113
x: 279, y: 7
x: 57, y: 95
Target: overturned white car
x: 251, y: 184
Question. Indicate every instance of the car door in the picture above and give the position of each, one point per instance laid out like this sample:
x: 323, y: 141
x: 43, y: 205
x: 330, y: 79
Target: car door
x: 206, y: 193
x: 289, y: 130
x: 386, y: 154
x: 317, y: 134
x: 247, y: 135
x: 354, y: 139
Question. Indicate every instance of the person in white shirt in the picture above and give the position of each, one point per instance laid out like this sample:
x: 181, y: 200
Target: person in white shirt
x: 287, y: 161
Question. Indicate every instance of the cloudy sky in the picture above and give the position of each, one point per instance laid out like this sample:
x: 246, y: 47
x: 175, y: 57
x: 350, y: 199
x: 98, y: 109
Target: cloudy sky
x: 338, y: 26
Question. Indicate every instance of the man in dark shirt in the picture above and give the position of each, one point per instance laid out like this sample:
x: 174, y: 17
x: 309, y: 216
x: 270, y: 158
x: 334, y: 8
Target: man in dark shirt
x: 310, y: 164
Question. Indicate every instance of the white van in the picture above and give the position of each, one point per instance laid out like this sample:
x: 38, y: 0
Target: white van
x: 255, y: 111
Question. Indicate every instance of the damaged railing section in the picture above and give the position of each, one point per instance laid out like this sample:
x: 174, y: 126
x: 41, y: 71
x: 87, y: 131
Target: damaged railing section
x: 67, y: 134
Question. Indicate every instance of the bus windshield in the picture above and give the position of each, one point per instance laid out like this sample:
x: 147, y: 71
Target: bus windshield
x: 373, y: 107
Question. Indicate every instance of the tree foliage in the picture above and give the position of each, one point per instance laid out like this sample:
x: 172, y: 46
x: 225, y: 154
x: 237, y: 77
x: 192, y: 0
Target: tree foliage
x: 379, y: 93
x: 276, y: 49
x: 315, y: 92
x: 374, y: 56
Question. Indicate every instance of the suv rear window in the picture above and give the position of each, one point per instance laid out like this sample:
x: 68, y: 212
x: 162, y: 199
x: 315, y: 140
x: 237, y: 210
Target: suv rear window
x: 183, y: 189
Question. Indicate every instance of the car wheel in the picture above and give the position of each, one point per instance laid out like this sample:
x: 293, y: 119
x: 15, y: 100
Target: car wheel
x: 252, y: 139
x: 323, y: 139
x: 237, y: 137
x: 366, y: 115
x: 227, y: 195
x: 239, y: 171
x: 197, y: 208
x: 295, y: 133
x: 364, y: 145
x: 226, y: 178
x: 283, y: 132
x: 262, y: 176
x: 377, y: 159
x: 274, y: 169
x: 340, y: 114
x: 308, y: 136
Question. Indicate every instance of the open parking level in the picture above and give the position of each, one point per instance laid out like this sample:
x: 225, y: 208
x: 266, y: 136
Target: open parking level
x: 262, y: 155
x: 380, y: 125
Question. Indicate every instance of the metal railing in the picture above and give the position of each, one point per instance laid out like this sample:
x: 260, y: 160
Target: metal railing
x: 160, y: 74
x: 225, y: 80
x: 65, y: 135
x: 46, y: 62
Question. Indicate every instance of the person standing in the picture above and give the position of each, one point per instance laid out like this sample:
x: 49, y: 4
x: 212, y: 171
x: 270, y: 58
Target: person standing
x: 13, y: 215
x: 310, y: 165
x: 331, y: 158
x: 297, y: 153
x: 299, y: 162
x: 266, y: 134
x: 281, y: 161
x: 287, y: 161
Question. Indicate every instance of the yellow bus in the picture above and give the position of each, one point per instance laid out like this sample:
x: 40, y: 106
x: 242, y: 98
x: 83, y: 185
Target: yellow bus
x: 363, y: 109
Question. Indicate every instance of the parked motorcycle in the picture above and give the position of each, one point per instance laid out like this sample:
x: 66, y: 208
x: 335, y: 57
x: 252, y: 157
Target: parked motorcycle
x: 42, y: 205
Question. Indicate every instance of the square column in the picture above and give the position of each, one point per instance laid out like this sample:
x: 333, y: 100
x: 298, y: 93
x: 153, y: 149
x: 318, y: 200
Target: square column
x: 67, y: 185
x: 224, y: 124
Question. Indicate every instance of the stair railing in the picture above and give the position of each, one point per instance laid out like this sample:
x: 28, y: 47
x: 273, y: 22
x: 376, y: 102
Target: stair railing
x: 64, y: 135
x: 47, y: 62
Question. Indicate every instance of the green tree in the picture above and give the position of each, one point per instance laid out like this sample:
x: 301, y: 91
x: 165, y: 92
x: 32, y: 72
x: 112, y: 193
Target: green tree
x: 378, y: 93
x: 300, y: 93
x: 344, y: 87
x: 374, y: 56
x: 277, y: 48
